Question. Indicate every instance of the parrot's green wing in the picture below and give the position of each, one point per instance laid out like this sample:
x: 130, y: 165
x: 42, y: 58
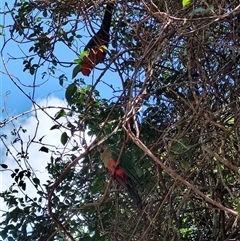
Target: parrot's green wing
x: 128, y: 166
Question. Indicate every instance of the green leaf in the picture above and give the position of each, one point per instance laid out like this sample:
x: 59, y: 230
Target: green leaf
x: 40, y: 140
x: 64, y: 138
x: 76, y: 70
x: 4, y: 166
x: 70, y: 91
x: 60, y: 114
x: 75, y: 148
x: 28, y: 174
x: 30, y: 50
x: 44, y: 149
x: 36, y: 181
x: 3, y: 233
x: 32, y: 70
x: 62, y: 78
x: 45, y: 13
x: 231, y: 121
x: 23, y: 186
x: 55, y: 127
x: 186, y: 2
x: 79, y: 61
x: 21, y: 174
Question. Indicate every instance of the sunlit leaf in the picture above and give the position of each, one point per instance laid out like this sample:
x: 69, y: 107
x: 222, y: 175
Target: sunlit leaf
x: 60, y: 114
x: 186, y: 2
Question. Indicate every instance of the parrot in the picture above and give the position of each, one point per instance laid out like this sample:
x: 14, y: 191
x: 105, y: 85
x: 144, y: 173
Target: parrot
x: 124, y: 173
x: 96, y: 49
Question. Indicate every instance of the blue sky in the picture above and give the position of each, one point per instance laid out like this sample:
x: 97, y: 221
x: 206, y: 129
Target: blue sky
x: 48, y: 91
x: 13, y: 101
x: 16, y: 102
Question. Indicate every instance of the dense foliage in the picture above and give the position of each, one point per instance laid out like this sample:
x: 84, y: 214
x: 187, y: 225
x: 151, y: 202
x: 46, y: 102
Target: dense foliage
x: 167, y: 96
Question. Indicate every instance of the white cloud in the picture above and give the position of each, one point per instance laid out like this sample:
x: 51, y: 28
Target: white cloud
x: 37, y: 159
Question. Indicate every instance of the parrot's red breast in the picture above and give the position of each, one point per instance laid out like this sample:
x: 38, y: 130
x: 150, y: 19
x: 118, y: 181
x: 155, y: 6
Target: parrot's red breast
x: 95, y: 56
x: 117, y: 171
x: 123, y: 175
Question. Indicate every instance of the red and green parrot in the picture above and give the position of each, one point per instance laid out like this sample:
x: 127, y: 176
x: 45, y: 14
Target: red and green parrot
x: 124, y: 173
x: 96, y: 49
